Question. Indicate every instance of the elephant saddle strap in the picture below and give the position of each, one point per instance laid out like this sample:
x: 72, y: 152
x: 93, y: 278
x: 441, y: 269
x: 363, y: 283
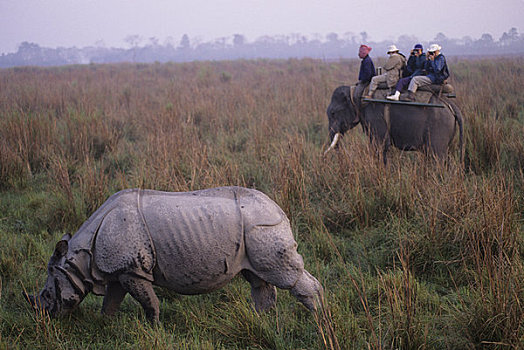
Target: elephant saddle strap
x: 352, y: 100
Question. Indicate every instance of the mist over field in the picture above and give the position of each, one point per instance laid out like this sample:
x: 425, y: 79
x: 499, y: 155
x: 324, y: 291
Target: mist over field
x: 333, y: 46
x: 56, y: 32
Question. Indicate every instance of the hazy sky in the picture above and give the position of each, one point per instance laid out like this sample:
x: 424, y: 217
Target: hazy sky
x: 80, y: 23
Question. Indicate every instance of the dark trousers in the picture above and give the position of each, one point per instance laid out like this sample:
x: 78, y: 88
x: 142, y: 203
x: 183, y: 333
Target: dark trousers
x: 403, y: 83
x: 359, y: 90
x: 361, y: 86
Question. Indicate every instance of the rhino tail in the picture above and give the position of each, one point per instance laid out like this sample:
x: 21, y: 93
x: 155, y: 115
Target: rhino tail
x: 257, y: 209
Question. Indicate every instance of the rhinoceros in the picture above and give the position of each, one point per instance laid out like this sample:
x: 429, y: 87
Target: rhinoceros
x: 188, y: 242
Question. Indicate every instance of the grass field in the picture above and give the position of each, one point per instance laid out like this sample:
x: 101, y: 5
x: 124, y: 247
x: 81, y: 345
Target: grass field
x: 416, y: 255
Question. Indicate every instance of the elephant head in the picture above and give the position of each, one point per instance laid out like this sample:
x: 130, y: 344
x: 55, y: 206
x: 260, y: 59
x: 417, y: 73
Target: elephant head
x: 342, y: 114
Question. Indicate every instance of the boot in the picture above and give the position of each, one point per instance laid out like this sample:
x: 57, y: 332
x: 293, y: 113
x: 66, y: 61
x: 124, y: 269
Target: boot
x: 410, y: 97
x: 394, y: 97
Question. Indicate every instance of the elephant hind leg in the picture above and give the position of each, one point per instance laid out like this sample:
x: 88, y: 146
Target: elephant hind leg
x: 308, y: 291
x: 142, y: 291
x: 264, y: 294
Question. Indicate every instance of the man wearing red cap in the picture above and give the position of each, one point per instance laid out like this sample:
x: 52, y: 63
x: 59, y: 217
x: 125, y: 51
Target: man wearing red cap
x: 367, y: 70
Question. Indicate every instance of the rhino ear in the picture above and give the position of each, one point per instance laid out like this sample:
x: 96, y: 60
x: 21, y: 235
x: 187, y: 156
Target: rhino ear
x: 60, y: 249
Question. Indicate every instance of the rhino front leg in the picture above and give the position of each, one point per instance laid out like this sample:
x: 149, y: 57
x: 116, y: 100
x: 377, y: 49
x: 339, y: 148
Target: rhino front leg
x: 143, y: 292
x: 113, y: 298
x: 264, y: 294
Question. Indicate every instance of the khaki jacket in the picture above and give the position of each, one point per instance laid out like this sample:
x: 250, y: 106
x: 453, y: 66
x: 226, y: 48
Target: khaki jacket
x: 393, y: 68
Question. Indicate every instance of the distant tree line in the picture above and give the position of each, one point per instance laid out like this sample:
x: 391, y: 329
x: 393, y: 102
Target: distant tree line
x: 332, y: 46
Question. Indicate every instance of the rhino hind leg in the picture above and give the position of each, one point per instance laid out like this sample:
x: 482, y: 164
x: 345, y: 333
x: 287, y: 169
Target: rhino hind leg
x: 113, y: 298
x: 308, y: 291
x: 142, y: 290
x: 273, y: 256
x: 264, y: 294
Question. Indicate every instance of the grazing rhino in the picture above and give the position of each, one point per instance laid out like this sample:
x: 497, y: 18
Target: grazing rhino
x: 189, y: 242
x: 410, y: 128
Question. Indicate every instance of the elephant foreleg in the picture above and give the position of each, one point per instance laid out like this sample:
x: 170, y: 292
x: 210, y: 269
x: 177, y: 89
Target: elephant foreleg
x: 113, y: 298
x: 143, y: 292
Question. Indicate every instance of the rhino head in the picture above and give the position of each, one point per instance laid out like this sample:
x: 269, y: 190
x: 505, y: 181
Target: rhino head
x: 60, y: 294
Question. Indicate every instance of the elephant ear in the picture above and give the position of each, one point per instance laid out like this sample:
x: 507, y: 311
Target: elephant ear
x: 344, y: 93
x: 347, y: 94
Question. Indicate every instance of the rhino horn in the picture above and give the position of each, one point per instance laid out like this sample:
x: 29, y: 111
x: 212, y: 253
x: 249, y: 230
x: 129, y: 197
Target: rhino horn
x: 334, y: 143
x: 35, y: 302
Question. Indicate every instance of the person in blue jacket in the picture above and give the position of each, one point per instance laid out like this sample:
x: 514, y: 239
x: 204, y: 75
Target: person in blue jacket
x: 436, y: 72
x: 416, y: 61
x: 414, y: 67
x: 367, y: 71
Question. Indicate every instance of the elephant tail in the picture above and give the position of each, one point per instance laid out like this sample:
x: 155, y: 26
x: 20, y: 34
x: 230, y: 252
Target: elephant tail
x: 460, y: 121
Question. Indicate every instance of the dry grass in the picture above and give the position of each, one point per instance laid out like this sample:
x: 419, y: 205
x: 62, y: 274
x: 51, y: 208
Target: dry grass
x: 418, y: 255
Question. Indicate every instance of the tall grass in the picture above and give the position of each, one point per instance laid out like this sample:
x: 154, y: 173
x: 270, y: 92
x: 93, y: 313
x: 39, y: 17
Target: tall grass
x: 415, y: 255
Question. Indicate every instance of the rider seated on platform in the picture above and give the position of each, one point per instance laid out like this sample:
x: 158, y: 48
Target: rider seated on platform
x: 436, y: 69
x: 414, y: 67
x: 393, y: 67
x: 367, y: 71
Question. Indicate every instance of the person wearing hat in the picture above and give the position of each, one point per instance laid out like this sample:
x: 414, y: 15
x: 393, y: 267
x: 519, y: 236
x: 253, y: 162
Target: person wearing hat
x: 436, y: 71
x: 414, y: 67
x: 416, y: 61
x: 393, y: 68
x: 367, y: 70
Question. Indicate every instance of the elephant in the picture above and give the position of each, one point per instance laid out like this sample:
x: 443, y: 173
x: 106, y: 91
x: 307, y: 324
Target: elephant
x: 407, y: 127
x: 188, y: 242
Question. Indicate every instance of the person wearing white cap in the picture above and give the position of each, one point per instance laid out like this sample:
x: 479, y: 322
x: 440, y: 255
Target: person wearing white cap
x: 436, y: 72
x: 414, y: 67
x: 393, y: 68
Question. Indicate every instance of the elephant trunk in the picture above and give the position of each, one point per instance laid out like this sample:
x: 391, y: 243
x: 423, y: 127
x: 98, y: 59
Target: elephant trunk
x: 334, y: 143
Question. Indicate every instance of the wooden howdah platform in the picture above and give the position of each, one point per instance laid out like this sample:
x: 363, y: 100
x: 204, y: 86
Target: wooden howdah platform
x: 406, y: 103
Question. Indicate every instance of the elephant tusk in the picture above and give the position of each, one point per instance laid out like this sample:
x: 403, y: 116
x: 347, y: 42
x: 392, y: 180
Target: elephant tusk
x: 334, y: 143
